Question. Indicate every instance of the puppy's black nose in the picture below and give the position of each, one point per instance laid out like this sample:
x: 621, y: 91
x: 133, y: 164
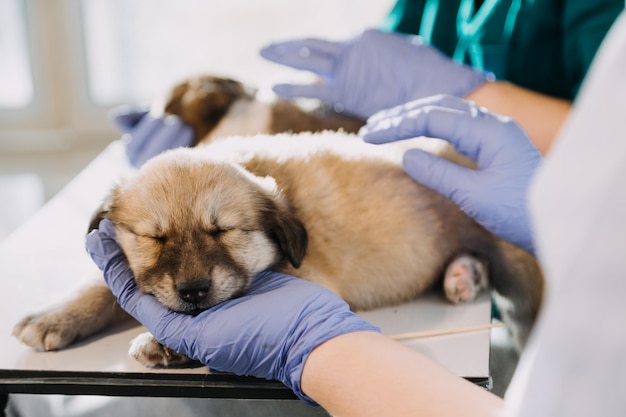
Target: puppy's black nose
x: 193, y: 291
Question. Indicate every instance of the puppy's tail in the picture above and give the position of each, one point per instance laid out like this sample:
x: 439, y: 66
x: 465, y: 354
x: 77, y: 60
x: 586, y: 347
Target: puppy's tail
x: 518, y: 283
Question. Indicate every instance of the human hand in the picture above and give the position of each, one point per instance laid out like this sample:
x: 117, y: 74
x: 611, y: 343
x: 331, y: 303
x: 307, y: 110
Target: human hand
x: 267, y: 333
x: 371, y: 72
x: 495, y: 193
x: 147, y: 136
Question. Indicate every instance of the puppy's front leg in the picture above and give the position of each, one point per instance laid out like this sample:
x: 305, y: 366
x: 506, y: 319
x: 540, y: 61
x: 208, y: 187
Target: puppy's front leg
x: 84, y: 315
x: 148, y: 351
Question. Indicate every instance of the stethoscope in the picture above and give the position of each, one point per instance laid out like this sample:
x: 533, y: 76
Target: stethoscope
x: 469, y: 26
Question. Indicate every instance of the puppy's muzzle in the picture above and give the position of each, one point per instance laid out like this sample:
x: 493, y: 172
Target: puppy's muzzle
x: 194, y: 292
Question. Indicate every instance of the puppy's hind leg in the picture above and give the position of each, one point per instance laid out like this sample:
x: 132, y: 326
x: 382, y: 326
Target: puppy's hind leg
x: 89, y: 312
x: 465, y: 278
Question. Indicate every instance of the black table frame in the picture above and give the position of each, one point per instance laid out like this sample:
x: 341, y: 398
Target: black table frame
x: 126, y: 384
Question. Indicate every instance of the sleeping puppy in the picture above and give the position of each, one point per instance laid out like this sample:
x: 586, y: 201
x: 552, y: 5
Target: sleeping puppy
x: 198, y: 224
x: 216, y: 107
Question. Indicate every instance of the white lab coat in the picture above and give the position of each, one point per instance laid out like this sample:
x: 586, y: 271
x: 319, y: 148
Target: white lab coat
x: 575, y: 363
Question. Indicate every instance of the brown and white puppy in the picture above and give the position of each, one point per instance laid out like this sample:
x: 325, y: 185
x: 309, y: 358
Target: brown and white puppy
x: 218, y: 107
x: 197, y: 224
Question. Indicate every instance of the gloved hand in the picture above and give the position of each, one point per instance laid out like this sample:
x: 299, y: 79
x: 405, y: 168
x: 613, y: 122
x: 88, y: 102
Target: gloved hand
x: 494, y: 194
x: 267, y: 333
x: 147, y: 136
x: 373, y: 71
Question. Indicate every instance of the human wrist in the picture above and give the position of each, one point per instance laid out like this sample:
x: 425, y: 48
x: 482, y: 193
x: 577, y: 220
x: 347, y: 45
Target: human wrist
x: 335, y: 326
x: 316, y: 380
x: 540, y: 115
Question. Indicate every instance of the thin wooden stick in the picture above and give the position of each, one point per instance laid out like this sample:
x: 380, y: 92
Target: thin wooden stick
x: 442, y: 332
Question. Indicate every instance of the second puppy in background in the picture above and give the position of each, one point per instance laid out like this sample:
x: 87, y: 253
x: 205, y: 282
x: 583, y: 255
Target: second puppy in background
x: 216, y: 107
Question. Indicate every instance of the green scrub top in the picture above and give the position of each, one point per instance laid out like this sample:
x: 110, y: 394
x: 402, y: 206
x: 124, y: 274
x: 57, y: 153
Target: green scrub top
x: 543, y: 45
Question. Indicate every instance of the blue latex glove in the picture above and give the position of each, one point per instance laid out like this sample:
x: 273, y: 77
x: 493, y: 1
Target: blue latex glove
x: 495, y: 194
x: 373, y: 71
x: 147, y: 136
x: 267, y: 333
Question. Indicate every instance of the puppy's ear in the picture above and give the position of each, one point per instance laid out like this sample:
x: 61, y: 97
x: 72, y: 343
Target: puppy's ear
x: 287, y: 231
x: 173, y: 103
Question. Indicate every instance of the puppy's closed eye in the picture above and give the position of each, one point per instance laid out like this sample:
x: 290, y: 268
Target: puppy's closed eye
x: 149, y: 235
x: 161, y: 239
x: 216, y: 232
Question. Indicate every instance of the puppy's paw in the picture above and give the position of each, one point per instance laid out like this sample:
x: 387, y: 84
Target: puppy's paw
x: 464, y: 279
x: 47, y: 331
x: 146, y: 350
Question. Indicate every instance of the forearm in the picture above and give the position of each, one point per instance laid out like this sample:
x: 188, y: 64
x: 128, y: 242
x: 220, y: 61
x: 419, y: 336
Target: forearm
x: 365, y: 373
x: 540, y: 115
